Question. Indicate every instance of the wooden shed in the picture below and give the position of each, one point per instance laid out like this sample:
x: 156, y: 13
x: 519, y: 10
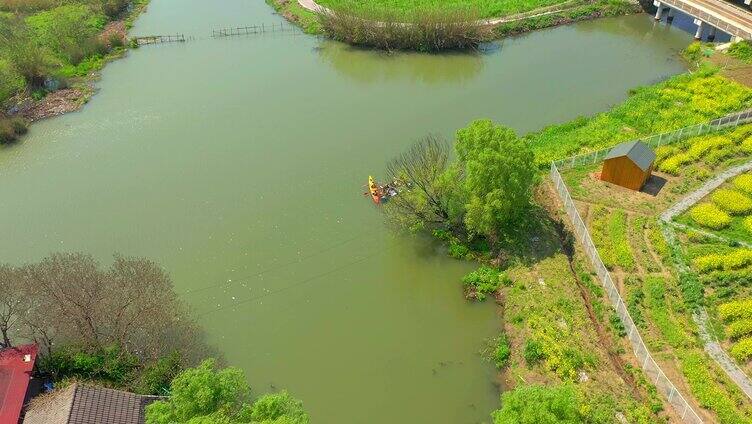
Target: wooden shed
x: 628, y: 165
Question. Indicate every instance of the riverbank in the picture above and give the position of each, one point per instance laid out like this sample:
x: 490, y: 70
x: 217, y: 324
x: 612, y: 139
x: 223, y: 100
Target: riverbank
x: 559, y: 329
x: 54, y: 57
x: 515, y: 21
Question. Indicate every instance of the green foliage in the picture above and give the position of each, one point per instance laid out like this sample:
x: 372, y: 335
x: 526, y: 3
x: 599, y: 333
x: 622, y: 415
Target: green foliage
x: 540, y: 405
x: 11, y: 81
x: 635, y: 299
x: 617, y: 325
x: 502, y: 352
x: 68, y: 31
x: 155, y: 379
x: 678, y: 102
x: 655, y: 301
x: 732, y: 201
x: 86, y: 66
x: 111, y: 365
x: 697, y: 51
x: 203, y: 391
x: 278, y: 408
x: 618, y: 231
x: 741, y: 50
x: 458, y: 250
x: 710, y: 216
x: 483, y: 281
x: 206, y: 394
x: 499, y: 177
x: 533, y: 352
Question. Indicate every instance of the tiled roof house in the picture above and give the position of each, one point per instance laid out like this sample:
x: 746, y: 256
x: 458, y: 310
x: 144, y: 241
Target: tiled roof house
x: 81, y: 404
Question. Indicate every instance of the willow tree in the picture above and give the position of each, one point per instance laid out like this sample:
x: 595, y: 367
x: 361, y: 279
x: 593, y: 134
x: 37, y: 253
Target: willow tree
x: 499, y: 176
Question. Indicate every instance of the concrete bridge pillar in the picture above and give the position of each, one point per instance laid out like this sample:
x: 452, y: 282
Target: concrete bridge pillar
x: 669, y: 15
x: 700, y: 27
x: 711, y: 33
x: 658, y: 12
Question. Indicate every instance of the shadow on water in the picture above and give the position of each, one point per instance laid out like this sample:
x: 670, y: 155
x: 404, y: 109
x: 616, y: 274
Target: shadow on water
x: 370, y: 66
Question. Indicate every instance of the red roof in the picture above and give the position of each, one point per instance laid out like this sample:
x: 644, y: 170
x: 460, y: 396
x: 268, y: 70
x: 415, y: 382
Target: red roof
x: 16, y: 364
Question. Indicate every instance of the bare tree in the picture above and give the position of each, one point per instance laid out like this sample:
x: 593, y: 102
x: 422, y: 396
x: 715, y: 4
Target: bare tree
x: 14, y: 303
x: 424, y: 170
x: 131, y: 305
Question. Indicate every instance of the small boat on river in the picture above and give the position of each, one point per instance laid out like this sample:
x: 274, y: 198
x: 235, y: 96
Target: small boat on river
x: 374, y: 190
x: 381, y: 193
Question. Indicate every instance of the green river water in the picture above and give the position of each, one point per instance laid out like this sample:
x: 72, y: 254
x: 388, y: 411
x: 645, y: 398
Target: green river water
x: 239, y: 165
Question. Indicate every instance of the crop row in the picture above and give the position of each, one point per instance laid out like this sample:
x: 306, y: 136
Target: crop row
x: 710, y: 149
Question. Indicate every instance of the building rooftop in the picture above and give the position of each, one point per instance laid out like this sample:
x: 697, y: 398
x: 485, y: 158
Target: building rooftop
x: 16, y: 365
x: 81, y: 404
x: 640, y: 153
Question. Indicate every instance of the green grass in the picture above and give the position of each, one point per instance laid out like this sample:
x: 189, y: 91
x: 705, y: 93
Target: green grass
x: 483, y: 8
x: 678, y: 102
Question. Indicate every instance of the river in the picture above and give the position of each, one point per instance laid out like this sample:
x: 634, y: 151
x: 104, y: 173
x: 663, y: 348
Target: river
x: 239, y: 165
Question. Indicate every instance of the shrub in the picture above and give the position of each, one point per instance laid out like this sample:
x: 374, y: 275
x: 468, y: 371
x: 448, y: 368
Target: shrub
x: 744, y: 183
x: 533, y: 352
x: 11, y: 129
x: 742, y: 350
x: 541, y: 405
x: 739, y: 329
x: 482, y: 281
x: 502, y: 352
x: 732, y: 201
x: 710, y: 216
x: 421, y: 30
x: 732, y: 311
x: 110, y: 364
x: 458, y: 250
x: 741, y: 50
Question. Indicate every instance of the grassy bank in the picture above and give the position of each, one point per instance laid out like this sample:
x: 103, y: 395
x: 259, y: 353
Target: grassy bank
x: 678, y: 102
x: 481, y: 8
x: 574, y: 12
x: 54, y: 48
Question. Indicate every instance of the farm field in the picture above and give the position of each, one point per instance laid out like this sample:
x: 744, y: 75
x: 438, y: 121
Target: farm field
x: 659, y: 295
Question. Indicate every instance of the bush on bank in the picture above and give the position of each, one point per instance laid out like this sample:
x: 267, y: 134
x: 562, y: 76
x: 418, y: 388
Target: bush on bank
x: 422, y: 30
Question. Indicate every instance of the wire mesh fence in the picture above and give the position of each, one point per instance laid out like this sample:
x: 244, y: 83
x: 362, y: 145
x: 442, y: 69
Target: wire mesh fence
x: 652, y: 370
x: 663, y: 139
